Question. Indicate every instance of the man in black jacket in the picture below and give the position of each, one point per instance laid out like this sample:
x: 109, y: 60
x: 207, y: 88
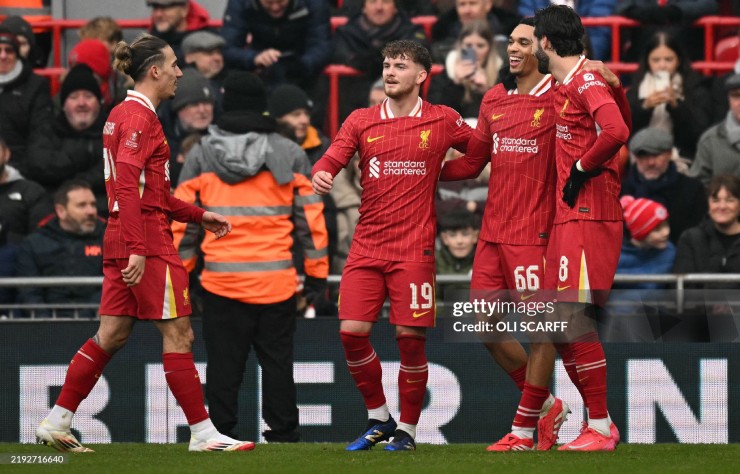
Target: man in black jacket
x: 69, y: 244
x: 72, y: 146
x: 359, y: 42
x: 25, y: 103
x: 654, y: 176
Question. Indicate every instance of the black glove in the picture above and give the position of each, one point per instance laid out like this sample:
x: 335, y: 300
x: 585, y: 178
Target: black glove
x: 313, y: 288
x: 575, y: 182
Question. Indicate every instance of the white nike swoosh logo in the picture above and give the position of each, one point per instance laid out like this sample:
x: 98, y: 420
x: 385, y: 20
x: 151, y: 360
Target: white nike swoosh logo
x: 581, y: 446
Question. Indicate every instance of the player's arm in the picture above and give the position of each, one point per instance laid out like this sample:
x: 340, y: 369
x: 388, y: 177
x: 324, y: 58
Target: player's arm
x: 340, y: 152
x: 129, y: 211
x: 614, y: 134
x: 470, y: 165
x: 186, y: 235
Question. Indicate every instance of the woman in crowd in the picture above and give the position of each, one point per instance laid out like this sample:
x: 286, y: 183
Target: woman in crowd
x: 668, y: 94
x: 471, y: 69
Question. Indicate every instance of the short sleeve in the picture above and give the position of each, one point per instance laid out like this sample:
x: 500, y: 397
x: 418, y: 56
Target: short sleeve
x: 591, y: 91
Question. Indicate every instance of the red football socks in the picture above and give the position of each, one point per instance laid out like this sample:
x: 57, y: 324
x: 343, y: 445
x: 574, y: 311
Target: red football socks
x: 566, y: 353
x: 412, y: 377
x: 590, y: 363
x: 364, y: 366
x: 82, y: 375
x: 184, y: 382
x: 530, y: 405
x: 518, y: 376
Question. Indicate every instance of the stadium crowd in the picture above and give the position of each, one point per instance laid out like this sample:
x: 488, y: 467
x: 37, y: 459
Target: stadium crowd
x: 682, y: 162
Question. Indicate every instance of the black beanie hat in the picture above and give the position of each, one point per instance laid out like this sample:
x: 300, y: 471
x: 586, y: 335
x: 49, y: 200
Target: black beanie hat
x: 8, y: 37
x: 20, y: 27
x: 244, y: 91
x: 78, y: 78
x: 287, y: 98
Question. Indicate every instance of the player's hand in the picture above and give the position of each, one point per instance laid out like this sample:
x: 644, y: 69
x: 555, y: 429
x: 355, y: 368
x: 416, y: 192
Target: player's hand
x: 575, y: 182
x: 322, y: 182
x: 464, y: 70
x: 606, y: 73
x: 216, y: 223
x: 133, y: 273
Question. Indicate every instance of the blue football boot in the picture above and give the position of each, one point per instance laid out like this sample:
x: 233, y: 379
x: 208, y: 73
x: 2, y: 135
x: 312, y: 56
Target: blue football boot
x: 376, y: 432
x: 402, y: 441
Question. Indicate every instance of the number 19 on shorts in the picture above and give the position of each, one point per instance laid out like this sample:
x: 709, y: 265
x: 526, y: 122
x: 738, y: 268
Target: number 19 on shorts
x: 422, y: 296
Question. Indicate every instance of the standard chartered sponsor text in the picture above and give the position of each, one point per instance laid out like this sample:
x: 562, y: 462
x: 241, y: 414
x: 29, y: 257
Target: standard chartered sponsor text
x: 519, y: 145
x: 405, y: 168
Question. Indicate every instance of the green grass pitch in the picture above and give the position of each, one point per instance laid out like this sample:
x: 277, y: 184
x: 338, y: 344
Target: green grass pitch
x: 331, y: 458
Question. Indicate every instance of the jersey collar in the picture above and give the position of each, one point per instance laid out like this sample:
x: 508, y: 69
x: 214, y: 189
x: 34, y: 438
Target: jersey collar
x: 574, y: 71
x: 387, y: 113
x: 543, y: 86
x: 140, y: 98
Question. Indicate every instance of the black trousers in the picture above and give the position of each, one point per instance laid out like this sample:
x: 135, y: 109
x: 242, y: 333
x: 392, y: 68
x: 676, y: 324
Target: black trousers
x: 230, y: 329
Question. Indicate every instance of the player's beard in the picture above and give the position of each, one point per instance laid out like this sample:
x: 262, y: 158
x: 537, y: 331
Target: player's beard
x: 399, y: 92
x: 543, y: 61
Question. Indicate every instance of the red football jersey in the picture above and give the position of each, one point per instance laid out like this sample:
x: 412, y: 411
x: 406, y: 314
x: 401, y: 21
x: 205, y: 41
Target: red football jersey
x: 400, y: 162
x: 521, y: 190
x: 576, y: 100
x: 133, y: 135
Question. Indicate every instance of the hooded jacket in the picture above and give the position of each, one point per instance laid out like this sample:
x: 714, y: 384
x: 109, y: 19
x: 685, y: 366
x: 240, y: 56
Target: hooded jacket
x: 258, y: 180
x: 23, y: 204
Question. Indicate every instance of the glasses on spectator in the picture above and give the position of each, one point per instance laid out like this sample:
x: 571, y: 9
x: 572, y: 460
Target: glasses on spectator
x: 7, y: 49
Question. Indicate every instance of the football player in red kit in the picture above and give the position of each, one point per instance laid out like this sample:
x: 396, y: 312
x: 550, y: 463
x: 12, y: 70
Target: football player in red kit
x: 586, y: 237
x: 143, y: 277
x: 516, y: 134
x: 402, y: 143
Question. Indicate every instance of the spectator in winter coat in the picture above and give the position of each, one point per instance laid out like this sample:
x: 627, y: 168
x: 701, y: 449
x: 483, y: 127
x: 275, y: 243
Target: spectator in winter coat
x: 70, y: 244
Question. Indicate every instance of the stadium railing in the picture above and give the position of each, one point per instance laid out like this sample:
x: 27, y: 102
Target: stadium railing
x: 13, y: 311
x: 334, y: 71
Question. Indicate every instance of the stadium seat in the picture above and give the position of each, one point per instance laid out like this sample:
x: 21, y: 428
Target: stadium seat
x: 726, y: 49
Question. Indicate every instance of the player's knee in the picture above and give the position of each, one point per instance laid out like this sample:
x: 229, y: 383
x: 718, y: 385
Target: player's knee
x: 111, y: 341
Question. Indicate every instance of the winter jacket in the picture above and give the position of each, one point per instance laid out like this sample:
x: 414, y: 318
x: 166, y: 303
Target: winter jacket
x: 447, y: 264
x: 444, y: 91
x: 715, y: 155
x: 700, y: 251
x: 600, y: 36
x: 358, y: 43
x: 258, y: 180
x: 446, y: 30
x: 683, y: 197
x: 640, y: 261
x: 63, y: 153
x: 303, y: 35
x: 23, y: 204
x: 690, y: 117
x: 25, y: 113
x: 52, y: 251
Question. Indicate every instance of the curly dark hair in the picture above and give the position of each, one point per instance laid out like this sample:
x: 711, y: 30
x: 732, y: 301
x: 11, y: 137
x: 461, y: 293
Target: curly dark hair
x: 410, y: 50
x: 563, y: 28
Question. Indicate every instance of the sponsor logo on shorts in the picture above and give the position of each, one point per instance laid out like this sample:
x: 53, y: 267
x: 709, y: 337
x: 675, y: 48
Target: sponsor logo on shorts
x: 563, y: 288
x: 418, y: 315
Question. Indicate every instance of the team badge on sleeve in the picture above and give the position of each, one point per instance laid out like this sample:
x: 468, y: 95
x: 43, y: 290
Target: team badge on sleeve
x: 132, y: 141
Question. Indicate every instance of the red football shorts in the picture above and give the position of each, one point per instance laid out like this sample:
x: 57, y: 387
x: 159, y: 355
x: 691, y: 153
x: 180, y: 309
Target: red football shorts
x: 520, y: 268
x: 410, y: 286
x: 582, y: 259
x: 161, y: 294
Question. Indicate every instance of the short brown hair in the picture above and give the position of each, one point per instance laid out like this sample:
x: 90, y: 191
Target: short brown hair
x: 728, y: 181
x: 410, y: 50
